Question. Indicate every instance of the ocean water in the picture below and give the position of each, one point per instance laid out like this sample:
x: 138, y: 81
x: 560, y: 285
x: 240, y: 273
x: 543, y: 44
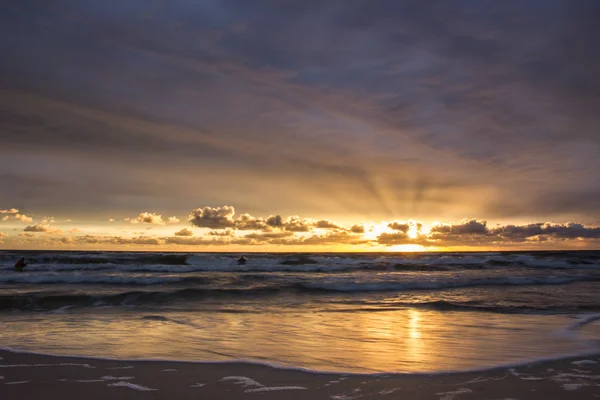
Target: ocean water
x: 412, y: 312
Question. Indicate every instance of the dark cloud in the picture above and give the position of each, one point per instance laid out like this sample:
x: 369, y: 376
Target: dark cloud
x: 297, y: 224
x: 184, y: 232
x: 275, y: 221
x: 326, y: 224
x: 390, y: 239
x: 467, y: 227
x: 319, y: 107
x: 267, y: 236
x: 39, y: 228
x: 357, y: 229
x: 248, y: 222
x: 567, y: 231
x: 221, y: 232
x: 403, y: 227
x: 214, y: 218
x: 148, y: 218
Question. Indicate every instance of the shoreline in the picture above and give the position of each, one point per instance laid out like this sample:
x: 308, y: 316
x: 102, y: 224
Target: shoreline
x: 592, y: 354
x: 30, y: 375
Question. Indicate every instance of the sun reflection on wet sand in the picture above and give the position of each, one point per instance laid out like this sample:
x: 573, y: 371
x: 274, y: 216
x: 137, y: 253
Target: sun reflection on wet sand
x: 406, y: 340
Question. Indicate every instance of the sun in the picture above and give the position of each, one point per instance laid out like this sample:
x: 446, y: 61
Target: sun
x: 376, y: 230
x: 413, y: 232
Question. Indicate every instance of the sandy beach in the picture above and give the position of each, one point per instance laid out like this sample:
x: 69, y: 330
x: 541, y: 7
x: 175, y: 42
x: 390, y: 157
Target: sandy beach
x: 32, y: 376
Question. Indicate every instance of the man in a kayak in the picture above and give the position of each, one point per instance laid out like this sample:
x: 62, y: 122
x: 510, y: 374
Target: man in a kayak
x: 20, y: 265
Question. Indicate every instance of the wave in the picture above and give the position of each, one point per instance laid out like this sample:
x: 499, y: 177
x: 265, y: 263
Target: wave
x: 383, y: 286
x: 332, y: 283
x: 60, y: 302
x: 57, y: 278
x: 283, y: 266
x: 47, y: 301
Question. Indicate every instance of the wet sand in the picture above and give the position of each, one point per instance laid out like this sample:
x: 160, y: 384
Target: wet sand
x: 30, y: 376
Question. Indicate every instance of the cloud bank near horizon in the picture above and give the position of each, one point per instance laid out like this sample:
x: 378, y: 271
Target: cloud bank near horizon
x: 221, y: 227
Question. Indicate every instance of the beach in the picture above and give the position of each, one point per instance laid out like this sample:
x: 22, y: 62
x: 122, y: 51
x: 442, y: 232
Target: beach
x: 487, y: 325
x: 32, y: 376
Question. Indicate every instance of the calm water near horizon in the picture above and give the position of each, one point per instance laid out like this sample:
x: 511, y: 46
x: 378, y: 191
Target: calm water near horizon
x: 417, y: 312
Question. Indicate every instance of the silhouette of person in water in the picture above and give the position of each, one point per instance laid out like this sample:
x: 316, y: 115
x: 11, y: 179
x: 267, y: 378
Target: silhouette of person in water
x: 242, y: 260
x: 20, y: 265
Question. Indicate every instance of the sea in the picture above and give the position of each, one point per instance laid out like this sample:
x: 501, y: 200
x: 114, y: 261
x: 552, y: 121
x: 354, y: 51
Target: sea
x: 351, y: 313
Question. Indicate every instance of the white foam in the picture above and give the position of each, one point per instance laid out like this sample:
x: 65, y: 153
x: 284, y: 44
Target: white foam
x: 583, y: 362
x: 581, y: 371
x: 16, y: 382
x: 117, y: 378
x: 62, y: 310
x: 453, y: 394
x: 274, y: 389
x: 169, y: 370
x: 197, y: 385
x: 389, y: 391
x: 132, y: 386
x: 241, y: 380
x: 480, y: 379
x: 86, y: 380
x: 573, y: 386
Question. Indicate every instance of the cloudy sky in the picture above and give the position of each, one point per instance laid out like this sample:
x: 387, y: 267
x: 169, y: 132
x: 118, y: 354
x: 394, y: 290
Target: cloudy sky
x: 290, y: 125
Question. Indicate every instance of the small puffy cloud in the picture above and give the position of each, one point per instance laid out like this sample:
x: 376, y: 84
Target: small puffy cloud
x: 37, y: 228
x: 398, y: 226
x: 466, y: 227
x: 184, y: 232
x: 266, y: 236
x: 43, y: 228
x: 173, y: 220
x: 226, y: 232
x: 68, y: 220
x: 357, y: 229
x: 23, y: 218
x: 48, y: 220
x: 337, y: 237
x: 13, y: 213
x: 297, y: 224
x: 111, y: 220
x: 390, y: 239
x: 213, y: 217
x: 148, y: 218
x: 74, y: 230
x: 3, y: 235
x: 247, y: 222
x: 186, y: 241
x: 275, y: 221
x: 142, y: 240
x: 326, y: 224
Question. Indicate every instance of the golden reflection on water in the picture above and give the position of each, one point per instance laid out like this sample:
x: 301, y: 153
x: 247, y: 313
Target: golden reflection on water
x: 409, y: 340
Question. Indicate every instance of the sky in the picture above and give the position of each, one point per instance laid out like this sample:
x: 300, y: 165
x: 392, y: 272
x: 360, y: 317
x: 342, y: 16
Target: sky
x: 354, y: 125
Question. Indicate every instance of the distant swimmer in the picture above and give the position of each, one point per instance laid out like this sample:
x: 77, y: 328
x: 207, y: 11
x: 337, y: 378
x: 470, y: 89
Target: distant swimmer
x: 242, y: 260
x: 20, y: 265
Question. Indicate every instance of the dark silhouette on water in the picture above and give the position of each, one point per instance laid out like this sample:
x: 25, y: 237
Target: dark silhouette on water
x: 242, y: 260
x: 20, y: 265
